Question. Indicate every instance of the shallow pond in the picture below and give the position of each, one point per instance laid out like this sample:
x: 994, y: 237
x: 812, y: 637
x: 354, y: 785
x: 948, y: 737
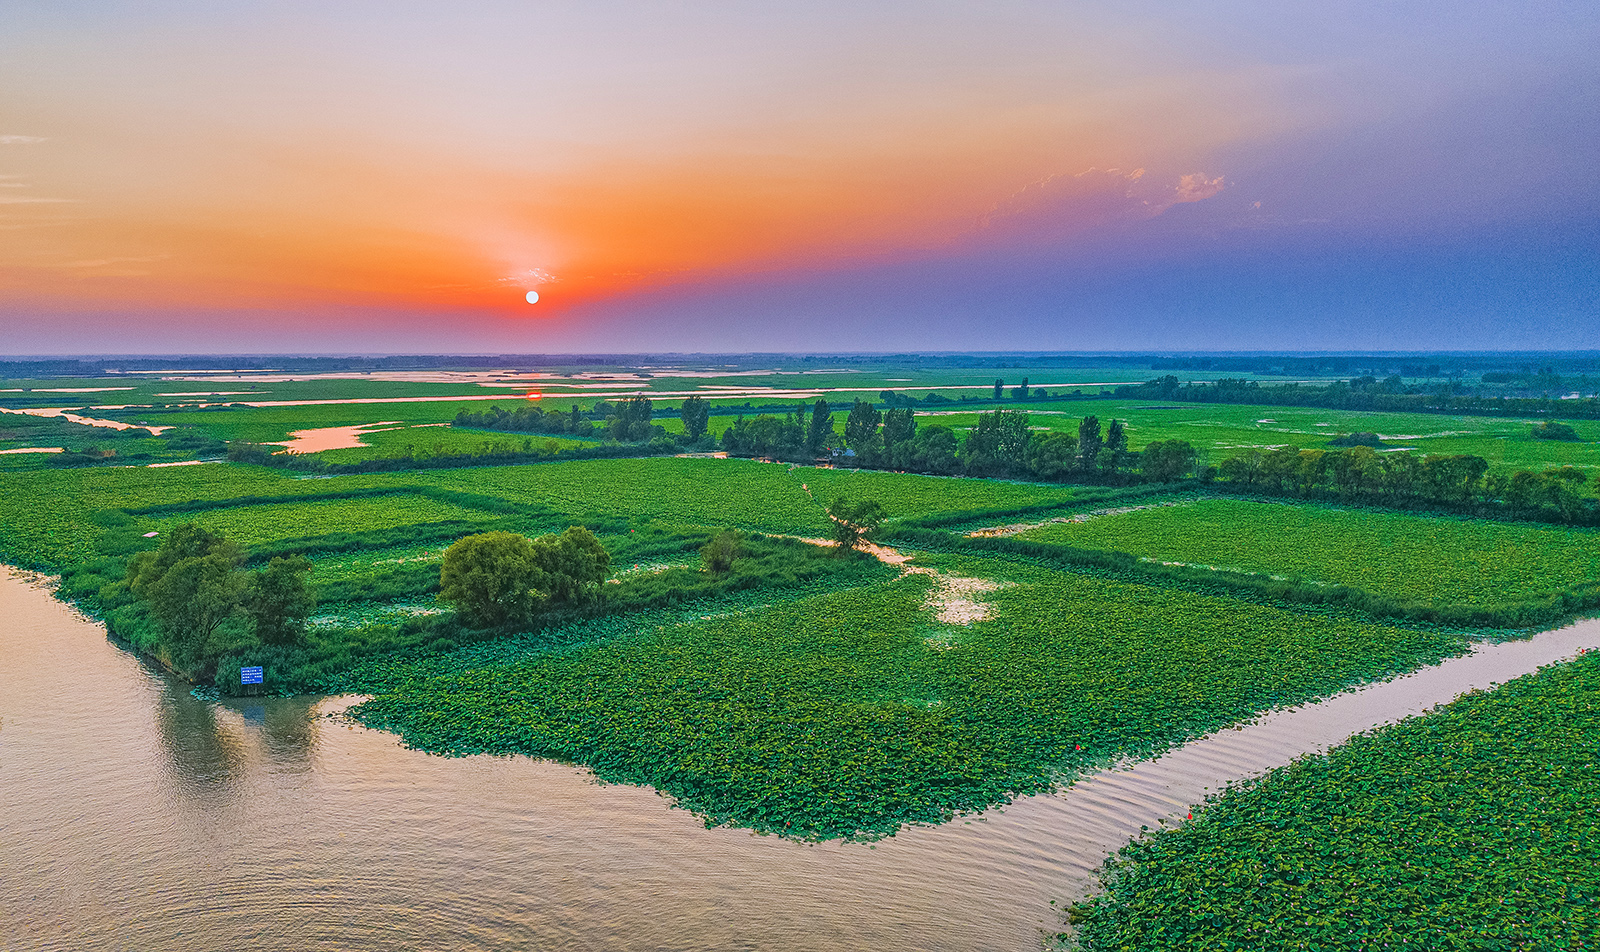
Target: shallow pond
x: 137, y: 817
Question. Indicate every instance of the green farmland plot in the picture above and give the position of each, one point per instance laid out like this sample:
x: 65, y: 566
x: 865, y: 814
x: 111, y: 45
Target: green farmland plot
x: 766, y: 497
x: 1474, y: 827
x: 255, y: 525
x: 852, y: 713
x: 1405, y: 557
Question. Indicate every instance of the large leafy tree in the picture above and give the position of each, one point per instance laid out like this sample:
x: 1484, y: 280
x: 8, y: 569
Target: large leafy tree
x: 696, y: 414
x: 821, y: 431
x: 998, y: 445
x: 861, y: 428
x: 631, y: 423
x: 192, y: 584
x: 573, y: 566
x: 500, y: 579
x: 1089, y: 440
x: 934, y: 449
x: 490, y: 578
x: 280, y: 601
x: 853, y: 521
x: 1166, y: 460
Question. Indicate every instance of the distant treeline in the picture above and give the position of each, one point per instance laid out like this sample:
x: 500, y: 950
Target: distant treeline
x: 1003, y: 445
x: 1389, y: 394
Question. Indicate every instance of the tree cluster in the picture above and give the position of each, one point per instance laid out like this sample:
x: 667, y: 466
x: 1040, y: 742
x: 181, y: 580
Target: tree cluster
x: 195, y: 587
x: 503, y: 579
x: 1389, y: 393
x: 529, y: 419
x: 1002, y: 444
x: 1454, y: 481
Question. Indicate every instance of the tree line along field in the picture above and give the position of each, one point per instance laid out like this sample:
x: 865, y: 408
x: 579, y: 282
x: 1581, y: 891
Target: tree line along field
x: 1222, y: 429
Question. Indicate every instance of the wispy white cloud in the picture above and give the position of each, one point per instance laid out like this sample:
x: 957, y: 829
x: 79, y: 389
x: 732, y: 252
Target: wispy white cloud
x: 20, y: 140
x: 34, y: 200
x: 1195, y: 187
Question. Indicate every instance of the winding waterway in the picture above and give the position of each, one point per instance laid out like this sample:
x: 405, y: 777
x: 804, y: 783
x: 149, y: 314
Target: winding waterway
x: 134, y: 816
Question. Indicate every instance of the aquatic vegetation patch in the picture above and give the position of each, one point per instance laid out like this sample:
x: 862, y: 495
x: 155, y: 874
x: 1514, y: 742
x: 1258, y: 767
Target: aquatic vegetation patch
x: 255, y: 525
x: 851, y: 713
x: 1476, y: 826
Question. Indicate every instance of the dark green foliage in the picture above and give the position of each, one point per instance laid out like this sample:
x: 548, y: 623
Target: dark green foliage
x: 1407, y: 479
x: 1363, y: 393
x: 998, y: 445
x: 934, y: 450
x: 572, y: 565
x: 191, y: 585
x: 1474, y: 827
x: 695, y: 413
x: 1089, y: 441
x: 899, y: 429
x: 861, y: 430
x: 820, y: 434
x: 489, y: 578
x: 500, y: 579
x: 279, y: 601
x: 1164, y: 461
x: 1357, y: 439
x: 853, y: 521
x: 631, y: 422
x: 1551, y: 430
x: 529, y: 419
x: 1115, y: 452
x: 719, y: 554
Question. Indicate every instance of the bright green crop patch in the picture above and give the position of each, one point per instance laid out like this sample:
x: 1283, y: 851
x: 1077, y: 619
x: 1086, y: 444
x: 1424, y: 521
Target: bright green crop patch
x: 1474, y: 827
x: 766, y: 497
x: 850, y: 714
x: 1430, y: 559
x: 254, y: 525
x: 49, y: 515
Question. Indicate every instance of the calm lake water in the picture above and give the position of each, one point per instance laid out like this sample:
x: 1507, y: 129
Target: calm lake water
x: 133, y: 816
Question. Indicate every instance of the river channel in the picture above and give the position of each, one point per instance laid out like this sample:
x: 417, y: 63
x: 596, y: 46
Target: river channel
x: 135, y: 816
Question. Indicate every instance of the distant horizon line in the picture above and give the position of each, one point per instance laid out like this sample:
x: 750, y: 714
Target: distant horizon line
x: 504, y: 355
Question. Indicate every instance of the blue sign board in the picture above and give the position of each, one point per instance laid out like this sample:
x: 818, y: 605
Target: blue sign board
x: 250, y: 675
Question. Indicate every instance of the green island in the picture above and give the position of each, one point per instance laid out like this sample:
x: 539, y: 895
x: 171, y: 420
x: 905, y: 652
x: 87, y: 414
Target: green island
x: 890, y: 596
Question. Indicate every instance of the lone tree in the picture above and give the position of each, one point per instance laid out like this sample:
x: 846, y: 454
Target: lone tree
x: 851, y: 522
x: 499, y: 579
x: 696, y: 414
x: 718, y: 554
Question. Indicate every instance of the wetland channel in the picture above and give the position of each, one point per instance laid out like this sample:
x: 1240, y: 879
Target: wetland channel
x: 136, y: 816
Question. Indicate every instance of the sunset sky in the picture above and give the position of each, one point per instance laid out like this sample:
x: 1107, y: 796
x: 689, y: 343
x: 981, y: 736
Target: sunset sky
x: 395, y: 176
